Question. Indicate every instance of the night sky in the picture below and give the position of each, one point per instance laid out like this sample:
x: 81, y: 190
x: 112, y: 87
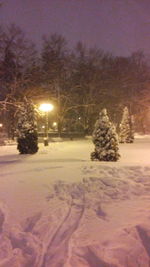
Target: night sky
x: 117, y: 26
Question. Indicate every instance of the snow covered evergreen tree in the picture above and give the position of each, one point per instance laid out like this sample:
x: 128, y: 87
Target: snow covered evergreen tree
x: 26, y: 129
x: 105, y: 139
x: 126, y: 134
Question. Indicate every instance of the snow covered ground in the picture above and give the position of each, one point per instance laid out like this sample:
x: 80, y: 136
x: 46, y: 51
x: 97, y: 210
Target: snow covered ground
x: 57, y: 208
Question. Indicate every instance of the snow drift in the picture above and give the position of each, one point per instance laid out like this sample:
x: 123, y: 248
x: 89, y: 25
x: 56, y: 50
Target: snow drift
x: 60, y: 209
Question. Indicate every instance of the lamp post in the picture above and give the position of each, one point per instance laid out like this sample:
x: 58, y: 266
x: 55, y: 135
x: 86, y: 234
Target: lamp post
x: 46, y: 107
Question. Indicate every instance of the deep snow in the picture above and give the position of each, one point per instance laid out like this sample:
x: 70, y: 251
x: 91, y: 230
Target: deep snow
x: 57, y: 208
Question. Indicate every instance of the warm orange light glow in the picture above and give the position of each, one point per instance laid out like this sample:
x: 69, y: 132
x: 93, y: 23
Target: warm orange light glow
x: 54, y: 123
x: 46, y: 107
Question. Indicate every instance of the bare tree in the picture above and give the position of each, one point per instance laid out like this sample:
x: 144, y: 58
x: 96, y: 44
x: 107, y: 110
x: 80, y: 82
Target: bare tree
x: 17, y: 59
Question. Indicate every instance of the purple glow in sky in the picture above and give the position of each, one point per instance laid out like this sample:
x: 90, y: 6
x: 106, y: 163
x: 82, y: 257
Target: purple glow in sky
x: 118, y: 26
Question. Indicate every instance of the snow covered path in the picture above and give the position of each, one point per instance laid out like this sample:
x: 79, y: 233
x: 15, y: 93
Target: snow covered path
x: 57, y: 208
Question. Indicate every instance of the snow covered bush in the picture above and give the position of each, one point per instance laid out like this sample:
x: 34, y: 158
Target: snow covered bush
x: 26, y: 129
x: 105, y: 139
x: 126, y: 134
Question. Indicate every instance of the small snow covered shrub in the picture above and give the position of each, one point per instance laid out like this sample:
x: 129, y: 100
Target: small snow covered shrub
x: 126, y: 134
x: 105, y: 139
x: 26, y: 129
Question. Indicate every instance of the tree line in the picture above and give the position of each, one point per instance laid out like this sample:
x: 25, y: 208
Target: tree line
x: 78, y: 81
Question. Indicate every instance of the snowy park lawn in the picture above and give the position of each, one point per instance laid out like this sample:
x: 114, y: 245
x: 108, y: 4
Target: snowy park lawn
x: 58, y: 208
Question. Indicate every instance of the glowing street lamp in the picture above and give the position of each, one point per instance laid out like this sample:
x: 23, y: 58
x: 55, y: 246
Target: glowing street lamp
x: 46, y: 107
x: 54, y: 125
